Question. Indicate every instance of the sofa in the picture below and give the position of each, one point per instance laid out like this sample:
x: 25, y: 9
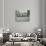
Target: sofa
x: 43, y: 41
x: 23, y: 36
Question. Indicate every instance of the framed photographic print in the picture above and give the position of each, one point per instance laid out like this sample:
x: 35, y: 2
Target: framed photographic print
x: 22, y: 15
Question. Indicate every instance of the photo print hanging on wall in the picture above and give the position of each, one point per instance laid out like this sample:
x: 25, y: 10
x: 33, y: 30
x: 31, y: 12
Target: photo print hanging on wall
x: 22, y: 15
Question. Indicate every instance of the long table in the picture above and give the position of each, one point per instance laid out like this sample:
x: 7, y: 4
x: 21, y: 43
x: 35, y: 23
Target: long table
x: 20, y: 39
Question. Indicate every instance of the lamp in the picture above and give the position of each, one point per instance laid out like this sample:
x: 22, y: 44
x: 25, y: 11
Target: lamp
x: 39, y: 29
x: 7, y: 30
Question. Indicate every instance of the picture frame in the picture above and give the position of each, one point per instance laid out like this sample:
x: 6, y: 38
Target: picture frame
x: 22, y: 15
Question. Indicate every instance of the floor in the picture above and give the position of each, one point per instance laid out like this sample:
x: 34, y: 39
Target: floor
x: 24, y: 44
x: 14, y: 45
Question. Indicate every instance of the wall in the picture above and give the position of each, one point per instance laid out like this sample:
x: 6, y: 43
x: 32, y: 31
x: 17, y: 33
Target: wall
x: 44, y: 18
x: 1, y: 14
x: 35, y: 7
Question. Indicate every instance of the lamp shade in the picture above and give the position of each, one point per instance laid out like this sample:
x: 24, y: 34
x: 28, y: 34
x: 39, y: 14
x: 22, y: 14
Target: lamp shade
x: 39, y: 29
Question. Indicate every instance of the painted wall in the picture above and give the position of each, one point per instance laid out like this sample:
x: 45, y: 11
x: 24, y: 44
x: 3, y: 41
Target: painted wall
x: 1, y: 15
x: 35, y: 7
x: 44, y: 18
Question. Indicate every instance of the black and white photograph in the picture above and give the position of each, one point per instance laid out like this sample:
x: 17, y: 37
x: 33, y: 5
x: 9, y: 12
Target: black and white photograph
x: 22, y: 22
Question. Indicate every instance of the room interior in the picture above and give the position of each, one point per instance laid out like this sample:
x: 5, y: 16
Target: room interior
x: 22, y: 32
